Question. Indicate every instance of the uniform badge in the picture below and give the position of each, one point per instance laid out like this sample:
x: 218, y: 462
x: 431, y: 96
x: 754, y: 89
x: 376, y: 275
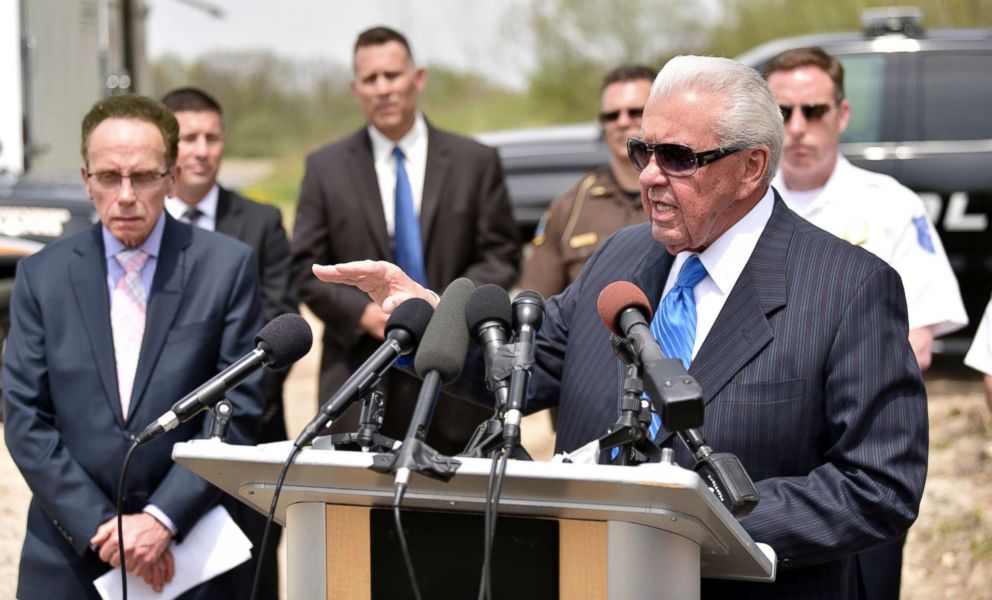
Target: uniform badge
x: 923, y: 233
x: 583, y: 239
x: 539, y: 230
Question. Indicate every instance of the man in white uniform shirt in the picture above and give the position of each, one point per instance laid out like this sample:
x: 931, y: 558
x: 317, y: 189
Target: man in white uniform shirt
x: 868, y: 209
x: 979, y: 356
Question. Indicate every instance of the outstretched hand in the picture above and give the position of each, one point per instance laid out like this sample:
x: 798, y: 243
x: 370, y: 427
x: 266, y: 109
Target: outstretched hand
x: 384, y: 282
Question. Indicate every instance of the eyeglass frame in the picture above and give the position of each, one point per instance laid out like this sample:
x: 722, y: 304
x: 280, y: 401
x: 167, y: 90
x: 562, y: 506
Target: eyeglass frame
x: 821, y: 110
x: 121, y: 177
x: 699, y: 159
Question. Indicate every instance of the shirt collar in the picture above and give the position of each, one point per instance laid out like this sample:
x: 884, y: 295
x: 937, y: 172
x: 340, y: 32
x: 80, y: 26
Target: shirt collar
x: 151, y: 245
x: 410, y: 144
x: 207, y: 206
x: 726, y: 257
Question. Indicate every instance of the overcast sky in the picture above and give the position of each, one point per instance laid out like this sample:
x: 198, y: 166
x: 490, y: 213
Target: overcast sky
x: 459, y: 33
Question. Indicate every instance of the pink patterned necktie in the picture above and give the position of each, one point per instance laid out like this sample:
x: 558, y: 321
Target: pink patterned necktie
x: 127, y: 319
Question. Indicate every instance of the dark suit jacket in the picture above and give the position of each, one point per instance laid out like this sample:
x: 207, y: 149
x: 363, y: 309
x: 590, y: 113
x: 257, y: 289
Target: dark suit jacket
x: 260, y: 226
x: 467, y: 228
x: 807, y: 376
x: 64, y: 427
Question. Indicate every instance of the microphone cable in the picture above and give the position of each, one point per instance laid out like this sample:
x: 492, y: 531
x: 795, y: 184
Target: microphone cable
x: 120, y: 517
x: 494, y: 487
x: 404, y: 548
x: 268, y: 518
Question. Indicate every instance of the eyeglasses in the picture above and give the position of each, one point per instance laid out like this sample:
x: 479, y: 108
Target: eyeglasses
x: 110, y: 181
x: 675, y: 160
x: 811, y: 112
x: 613, y: 115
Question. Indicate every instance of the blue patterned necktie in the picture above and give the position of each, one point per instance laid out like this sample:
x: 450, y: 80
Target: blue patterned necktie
x: 674, y: 323
x: 407, y: 249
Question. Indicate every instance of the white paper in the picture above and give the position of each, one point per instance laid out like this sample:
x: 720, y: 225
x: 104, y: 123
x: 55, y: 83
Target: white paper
x: 586, y: 455
x: 214, y: 545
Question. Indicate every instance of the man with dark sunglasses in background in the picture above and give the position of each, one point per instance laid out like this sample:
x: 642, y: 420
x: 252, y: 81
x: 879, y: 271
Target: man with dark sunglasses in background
x: 868, y: 209
x: 605, y: 200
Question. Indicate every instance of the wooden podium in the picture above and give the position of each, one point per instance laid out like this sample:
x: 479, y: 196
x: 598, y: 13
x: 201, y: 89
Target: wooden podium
x: 650, y: 531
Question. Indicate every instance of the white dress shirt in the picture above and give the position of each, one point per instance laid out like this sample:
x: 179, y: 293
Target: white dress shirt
x: 414, y: 147
x: 207, y: 207
x: 724, y: 260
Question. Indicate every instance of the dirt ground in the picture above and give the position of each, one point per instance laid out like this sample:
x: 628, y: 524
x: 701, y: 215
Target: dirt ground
x: 948, y: 553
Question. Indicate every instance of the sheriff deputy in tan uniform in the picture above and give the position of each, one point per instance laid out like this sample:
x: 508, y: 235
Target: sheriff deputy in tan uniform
x: 603, y: 201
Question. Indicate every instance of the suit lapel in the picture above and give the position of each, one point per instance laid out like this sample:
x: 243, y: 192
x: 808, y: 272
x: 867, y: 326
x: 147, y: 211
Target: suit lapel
x: 88, y: 274
x: 361, y: 170
x: 171, y: 272
x: 229, y: 220
x: 742, y: 329
x: 438, y: 163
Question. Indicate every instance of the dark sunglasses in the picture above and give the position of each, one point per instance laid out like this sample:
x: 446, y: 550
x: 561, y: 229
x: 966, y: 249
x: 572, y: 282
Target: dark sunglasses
x: 811, y: 112
x: 675, y: 160
x: 613, y: 115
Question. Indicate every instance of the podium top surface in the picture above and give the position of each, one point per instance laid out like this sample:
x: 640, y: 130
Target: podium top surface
x: 661, y: 496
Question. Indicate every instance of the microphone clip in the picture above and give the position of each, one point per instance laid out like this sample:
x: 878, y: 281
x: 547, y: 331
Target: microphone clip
x: 630, y: 434
x: 367, y: 438
x: 222, y: 412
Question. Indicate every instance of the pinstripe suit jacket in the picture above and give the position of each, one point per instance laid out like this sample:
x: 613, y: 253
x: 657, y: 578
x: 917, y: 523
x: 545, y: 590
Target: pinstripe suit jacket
x: 807, y: 376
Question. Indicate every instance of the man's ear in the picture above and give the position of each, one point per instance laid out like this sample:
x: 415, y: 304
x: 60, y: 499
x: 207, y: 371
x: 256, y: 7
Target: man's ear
x: 756, y: 164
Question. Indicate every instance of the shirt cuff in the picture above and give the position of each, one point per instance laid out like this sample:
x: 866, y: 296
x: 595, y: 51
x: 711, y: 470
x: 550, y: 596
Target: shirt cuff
x: 161, y: 517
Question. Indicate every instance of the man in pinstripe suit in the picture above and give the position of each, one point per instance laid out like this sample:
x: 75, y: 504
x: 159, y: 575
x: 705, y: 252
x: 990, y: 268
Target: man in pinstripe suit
x: 801, y: 339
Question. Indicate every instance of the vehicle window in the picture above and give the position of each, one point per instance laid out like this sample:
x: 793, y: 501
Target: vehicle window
x: 956, y: 97
x: 864, y: 78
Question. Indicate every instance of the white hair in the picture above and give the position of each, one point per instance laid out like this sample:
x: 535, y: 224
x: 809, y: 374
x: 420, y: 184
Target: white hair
x: 752, y: 117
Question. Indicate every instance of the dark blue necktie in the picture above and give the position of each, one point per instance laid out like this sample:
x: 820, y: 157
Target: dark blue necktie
x: 407, y: 249
x: 674, y: 323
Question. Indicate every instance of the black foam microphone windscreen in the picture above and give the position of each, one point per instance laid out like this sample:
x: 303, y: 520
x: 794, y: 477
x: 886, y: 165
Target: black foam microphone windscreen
x: 413, y: 315
x: 285, y: 339
x: 488, y: 303
x: 445, y: 342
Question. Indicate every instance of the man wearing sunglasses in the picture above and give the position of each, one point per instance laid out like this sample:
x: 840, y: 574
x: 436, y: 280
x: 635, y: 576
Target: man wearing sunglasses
x: 604, y: 201
x: 797, y: 338
x: 868, y: 209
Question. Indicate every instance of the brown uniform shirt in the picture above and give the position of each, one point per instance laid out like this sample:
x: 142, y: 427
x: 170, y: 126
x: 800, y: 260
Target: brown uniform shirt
x: 576, y: 224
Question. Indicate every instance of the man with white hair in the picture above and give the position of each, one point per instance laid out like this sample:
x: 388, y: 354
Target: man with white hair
x: 830, y: 422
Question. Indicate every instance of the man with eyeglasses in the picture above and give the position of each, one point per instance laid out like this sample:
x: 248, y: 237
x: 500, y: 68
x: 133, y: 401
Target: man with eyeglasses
x: 868, y: 209
x: 109, y: 328
x: 604, y: 201
x: 797, y: 338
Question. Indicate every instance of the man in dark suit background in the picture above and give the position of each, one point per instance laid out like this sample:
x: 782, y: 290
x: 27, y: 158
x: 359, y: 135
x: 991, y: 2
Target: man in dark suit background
x: 201, y: 201
x: 399, y: 190
x: 109, y: 328
x: 797, y: 338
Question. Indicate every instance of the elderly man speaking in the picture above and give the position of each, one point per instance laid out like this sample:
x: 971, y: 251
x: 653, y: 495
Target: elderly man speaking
x: 799, y: 341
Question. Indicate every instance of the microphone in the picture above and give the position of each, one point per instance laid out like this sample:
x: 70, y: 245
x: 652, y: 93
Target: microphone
x: 488, y: 315
x: 283, y: 341
x: 528, y: 312
x: 625, y: 311
x: 404, y: 330
x: 439, y: 361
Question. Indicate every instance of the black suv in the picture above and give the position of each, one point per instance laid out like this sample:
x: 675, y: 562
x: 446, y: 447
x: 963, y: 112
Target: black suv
x: 33, y: 214
x: 921, y: 111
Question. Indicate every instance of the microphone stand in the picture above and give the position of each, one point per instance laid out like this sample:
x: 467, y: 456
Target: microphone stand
x: 630, y: 433
x: 487, y: 439
x: 367, y: 438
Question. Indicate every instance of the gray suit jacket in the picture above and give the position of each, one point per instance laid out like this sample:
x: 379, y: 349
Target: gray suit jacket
x: 807, y: 376
x: 64, y: 427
